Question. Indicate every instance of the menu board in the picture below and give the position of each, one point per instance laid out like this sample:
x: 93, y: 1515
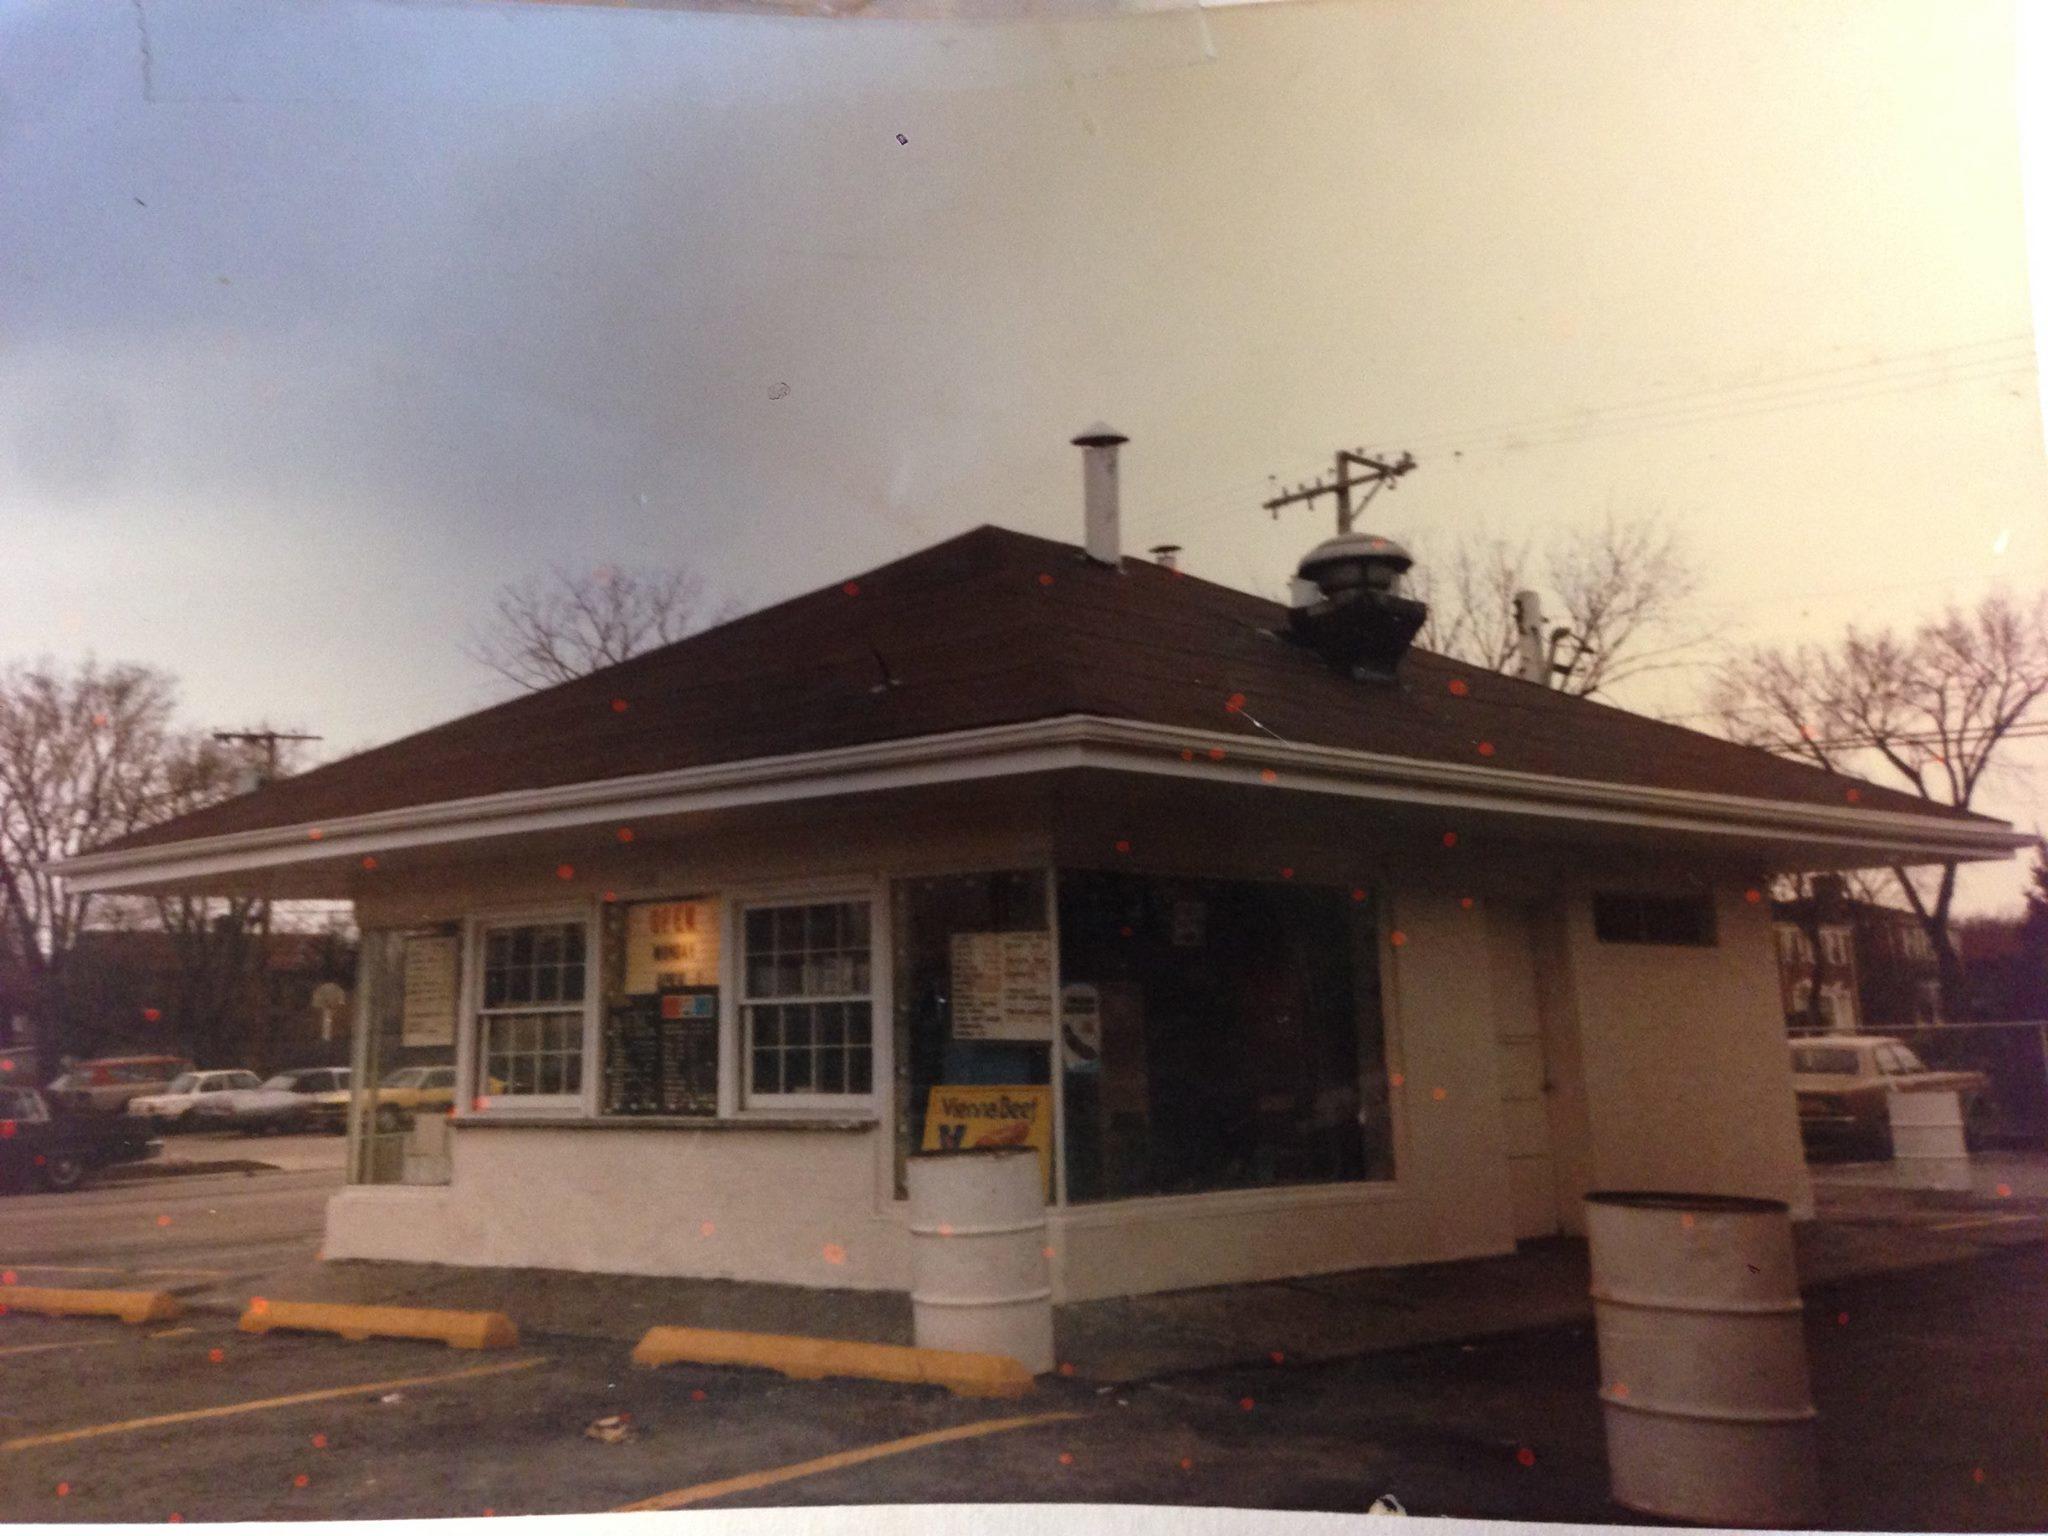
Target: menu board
x: 429, y: 1013
x: 1002, y: 986
x: 661, y: 1053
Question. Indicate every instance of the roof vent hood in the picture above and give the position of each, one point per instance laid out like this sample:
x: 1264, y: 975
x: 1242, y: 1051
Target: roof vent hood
x: 1349, y: 606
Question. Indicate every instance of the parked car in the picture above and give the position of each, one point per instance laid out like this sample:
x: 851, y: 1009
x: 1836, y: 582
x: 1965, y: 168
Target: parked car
x: 403, y: 1094
x: 43, y: 1145
x: 110, y: 1083
x: 1844, y: 1085
x: 308, y: 1099
x: 173, y: 1107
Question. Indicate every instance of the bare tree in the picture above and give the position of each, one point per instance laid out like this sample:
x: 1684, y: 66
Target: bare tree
x: 1932, y: 709
x: 80, y: 764
x: 1471, y: 598
x: 547, y: 630
x: 1622, y: 586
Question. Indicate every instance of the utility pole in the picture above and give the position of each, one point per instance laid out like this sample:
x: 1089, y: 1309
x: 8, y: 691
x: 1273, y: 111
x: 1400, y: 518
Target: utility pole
x: 269, y: 741
x: 1343, y: 481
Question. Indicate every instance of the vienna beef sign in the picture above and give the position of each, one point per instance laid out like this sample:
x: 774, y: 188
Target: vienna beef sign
x: 967, y: 1119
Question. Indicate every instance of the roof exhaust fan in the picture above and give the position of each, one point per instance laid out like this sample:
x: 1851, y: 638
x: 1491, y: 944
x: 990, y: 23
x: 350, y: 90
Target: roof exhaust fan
x: 1349, y: 606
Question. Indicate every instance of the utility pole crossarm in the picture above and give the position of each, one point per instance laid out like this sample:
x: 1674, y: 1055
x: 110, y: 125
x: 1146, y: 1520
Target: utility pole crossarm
x: 1377, y: 473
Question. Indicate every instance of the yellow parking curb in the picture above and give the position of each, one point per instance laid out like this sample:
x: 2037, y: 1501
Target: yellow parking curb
x: 967, y: 1375
x: 458, y: 1330
x: 128, y: 1306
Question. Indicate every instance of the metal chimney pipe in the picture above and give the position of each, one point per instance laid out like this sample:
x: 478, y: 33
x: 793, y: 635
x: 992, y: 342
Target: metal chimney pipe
x: 1534, y: 650
x: 1103, y: 537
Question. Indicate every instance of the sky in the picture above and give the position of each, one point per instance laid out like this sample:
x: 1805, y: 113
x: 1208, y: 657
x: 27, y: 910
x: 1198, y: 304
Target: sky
x: 319, y: 322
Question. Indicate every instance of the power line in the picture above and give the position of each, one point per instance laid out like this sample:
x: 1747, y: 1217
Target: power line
x: 1708, y: 403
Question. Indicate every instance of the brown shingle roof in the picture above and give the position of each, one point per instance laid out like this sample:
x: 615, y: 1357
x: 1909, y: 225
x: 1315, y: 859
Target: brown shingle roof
x: 992, y: 628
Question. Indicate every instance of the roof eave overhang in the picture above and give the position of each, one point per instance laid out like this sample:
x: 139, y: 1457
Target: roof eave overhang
x: 1071, y: 742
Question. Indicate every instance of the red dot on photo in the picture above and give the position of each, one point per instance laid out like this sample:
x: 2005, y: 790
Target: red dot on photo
x: 1486, y: 749
x: 1459, y: 686
x: 1267, y: 776
x: 1066, y: 1458
x: 1397, y: 938
x: 1526, y: 1457
x: 1245, y: 1403
x: 565, y: 871
x: 851, y: 589
x: 619, y: 706
x: 1450, y: 839
x: 625, y: 834
x: 1216, y: 754
x: 301, y: 1480
x: 1045, y: 578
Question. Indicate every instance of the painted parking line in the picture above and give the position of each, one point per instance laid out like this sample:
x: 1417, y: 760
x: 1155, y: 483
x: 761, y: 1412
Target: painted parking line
x: 257, y: 1405
x: 1981, y: 1221
x: 37, y: 1349
x: 697, y: 1493
x: 97, y: 1269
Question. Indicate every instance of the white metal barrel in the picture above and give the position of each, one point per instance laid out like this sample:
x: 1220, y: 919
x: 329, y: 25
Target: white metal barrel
x: 1702, y: 1358
x: 1928, y: 1151
x: 979, y: 1277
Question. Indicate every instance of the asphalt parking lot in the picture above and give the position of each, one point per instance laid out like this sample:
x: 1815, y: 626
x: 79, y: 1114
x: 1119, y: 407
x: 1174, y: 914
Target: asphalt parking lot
x: 1931, y: 1386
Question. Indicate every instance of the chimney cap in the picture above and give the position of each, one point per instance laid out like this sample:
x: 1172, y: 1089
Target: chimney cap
x: 1100, y: 435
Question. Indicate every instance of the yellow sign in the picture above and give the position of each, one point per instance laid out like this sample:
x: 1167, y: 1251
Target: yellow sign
x: 956, y: 1119
x: 671, y: 944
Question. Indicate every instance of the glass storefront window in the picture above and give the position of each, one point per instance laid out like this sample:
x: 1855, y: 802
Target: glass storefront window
x: 1218, y: 1035
x: 402, y: 1077
x: 944, y: 927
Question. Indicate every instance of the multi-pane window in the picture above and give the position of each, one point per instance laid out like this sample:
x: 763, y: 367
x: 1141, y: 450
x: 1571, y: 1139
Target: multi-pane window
x: 807, y: 1000
x: 530, y: 1027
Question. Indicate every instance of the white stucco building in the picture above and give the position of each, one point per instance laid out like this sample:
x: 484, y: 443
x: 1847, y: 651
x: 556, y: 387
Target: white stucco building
x: 1285, y: 969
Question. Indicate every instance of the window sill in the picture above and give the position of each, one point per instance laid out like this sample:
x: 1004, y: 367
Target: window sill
x: 578, y: 1122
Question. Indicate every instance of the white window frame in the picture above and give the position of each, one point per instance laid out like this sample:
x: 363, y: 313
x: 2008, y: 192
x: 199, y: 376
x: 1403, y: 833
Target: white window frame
x: 468, y: 1053
x: 736, y: 1057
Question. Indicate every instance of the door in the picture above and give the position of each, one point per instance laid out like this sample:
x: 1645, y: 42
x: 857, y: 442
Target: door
x: 1524, y: 1080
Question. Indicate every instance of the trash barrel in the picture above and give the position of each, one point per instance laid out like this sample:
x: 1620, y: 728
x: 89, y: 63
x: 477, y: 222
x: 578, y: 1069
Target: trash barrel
x: 1703, y: 1375
x: 979, y: 1277
x: 1928, y: 1150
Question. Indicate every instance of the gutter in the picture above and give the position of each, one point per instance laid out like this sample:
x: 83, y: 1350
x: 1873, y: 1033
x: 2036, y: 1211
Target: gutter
x: 1070, y: 742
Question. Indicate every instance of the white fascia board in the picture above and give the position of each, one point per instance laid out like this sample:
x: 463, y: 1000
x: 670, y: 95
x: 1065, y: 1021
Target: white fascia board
x: 1071, y: 742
